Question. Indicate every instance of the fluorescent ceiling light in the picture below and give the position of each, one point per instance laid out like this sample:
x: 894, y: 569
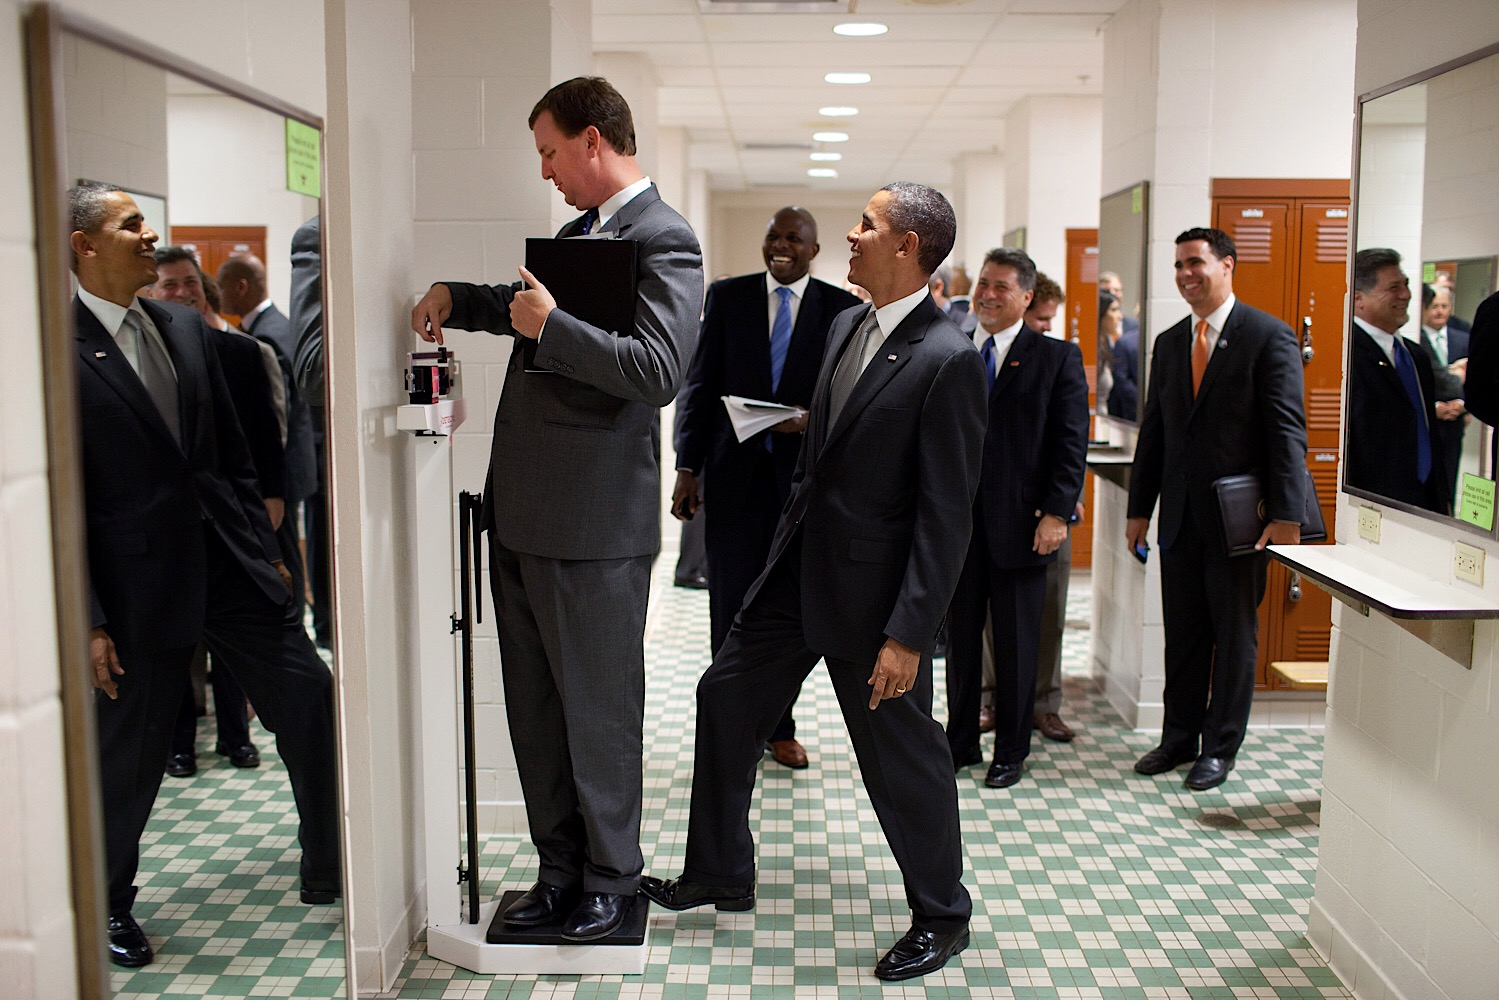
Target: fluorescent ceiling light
x: 830, y: 137
x: 827, y: 157
x: 859, y: 29
x: 822, y: 172
x: 837, y: 111
x: 846, y: 77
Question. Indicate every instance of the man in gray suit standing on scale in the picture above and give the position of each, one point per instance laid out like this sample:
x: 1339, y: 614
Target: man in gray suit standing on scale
x: 573, y: 508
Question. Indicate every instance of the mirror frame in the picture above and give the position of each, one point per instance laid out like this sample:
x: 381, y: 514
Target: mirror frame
x: 1353, y: 248
x: 45, y: 26
x: 1100, y: 411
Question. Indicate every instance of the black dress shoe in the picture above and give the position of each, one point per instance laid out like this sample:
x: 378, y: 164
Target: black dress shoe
x: 966, y: 758
x: 127, y: 943
x: 541, y: 904
x: 182, y: 765
x: 1002, y: 775
x: 245, y: 756
x: 684, y: 894
x: 596, y: 916
x: 1163, y: 759
x: 318, y: 892
x: 920, y: 952
x: 1209, y: 772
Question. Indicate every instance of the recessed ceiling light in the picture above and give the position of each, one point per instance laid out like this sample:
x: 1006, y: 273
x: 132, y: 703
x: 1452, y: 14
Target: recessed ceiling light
x: 846, y: 77
x: 859, y: 29
x: 822, y: 172
x: 837, y: 111
x: 830, y: 137
x: 827, y: 157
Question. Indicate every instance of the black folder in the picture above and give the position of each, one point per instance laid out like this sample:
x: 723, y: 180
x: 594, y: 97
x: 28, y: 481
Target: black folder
x: 592, y: 280
x: 1241, y: 504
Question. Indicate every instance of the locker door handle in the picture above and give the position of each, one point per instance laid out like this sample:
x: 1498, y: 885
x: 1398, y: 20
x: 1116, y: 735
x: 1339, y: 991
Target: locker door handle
x: 1293, y: 592
x: 1307, y: 351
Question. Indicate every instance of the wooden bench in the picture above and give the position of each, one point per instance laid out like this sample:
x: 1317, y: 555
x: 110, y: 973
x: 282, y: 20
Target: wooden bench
x: 1301, y: 675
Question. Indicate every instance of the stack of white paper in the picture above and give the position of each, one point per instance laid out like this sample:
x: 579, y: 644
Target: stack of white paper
x: 751, y: 416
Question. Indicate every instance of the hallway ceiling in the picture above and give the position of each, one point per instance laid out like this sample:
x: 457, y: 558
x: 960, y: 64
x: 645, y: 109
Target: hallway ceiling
x: 747, y: 87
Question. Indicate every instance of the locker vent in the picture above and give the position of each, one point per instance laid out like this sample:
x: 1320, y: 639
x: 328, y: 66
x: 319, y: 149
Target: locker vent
x: 1332, y: 241
x: 1313, y: 643
x: 1253, y: 240
x: 1322, y: 410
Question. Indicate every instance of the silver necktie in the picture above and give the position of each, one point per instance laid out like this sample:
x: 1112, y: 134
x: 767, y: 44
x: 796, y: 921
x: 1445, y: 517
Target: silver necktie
x: 155, y: 373
x: 850, y: 367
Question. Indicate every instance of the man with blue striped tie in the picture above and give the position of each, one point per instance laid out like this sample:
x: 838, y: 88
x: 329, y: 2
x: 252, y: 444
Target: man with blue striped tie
x: 763, y: 337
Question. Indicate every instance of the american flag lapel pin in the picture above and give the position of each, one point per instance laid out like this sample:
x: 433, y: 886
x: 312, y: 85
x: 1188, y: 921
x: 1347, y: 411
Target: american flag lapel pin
x: 889, y: 357
x: 1014, y: 364
x: 100, y: 354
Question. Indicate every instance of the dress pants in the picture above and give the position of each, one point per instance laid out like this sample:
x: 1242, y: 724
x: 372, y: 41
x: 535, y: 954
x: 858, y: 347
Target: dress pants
x: 229, y: 711
x: 572, y: 657
x: 1209, y: 605
x: 738, y: 547
x: 1013, y: 598
x: 906, y: 767
x: 270, y: 656
x: 1053, y: 624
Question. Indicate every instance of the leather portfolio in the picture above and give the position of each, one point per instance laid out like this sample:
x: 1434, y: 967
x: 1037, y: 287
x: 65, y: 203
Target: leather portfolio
x: 1241, y: 504
x: 592, y: 279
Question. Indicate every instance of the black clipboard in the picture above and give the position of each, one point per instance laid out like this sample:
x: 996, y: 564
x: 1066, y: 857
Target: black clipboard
x: 592, y: 279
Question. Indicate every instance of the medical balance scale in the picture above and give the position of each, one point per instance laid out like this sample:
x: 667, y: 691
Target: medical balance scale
x: 461, y: 928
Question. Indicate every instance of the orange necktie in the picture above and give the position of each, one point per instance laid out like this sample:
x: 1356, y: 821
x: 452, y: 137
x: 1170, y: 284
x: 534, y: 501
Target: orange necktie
x: 1201, y: 350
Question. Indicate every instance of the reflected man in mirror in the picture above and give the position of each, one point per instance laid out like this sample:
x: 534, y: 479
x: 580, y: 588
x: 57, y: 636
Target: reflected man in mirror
x: 1446, y: 349
x: 180, y: 548
x: 1224, y: 399
x: 1391, y: 446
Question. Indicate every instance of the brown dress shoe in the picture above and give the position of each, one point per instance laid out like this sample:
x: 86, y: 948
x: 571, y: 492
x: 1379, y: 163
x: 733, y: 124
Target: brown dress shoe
x: 1053, y: 728
x: 986, y: 718
x: 788, y: 753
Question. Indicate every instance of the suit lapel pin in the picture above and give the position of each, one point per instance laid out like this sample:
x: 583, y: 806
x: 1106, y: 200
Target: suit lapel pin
x: 1222, y: 343
x: 100, y: 354
x: 889, y: 357
x: 1014, y: 364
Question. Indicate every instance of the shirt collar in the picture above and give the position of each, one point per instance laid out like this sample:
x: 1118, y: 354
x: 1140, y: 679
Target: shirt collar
x: 798, y: 287
x: 1001, y: 339
x: 1386, y: 341
x: 110, y: 315
x: 619, y: 199
x: 249, y: 317
x: 1218, y: 316
x: 892, y: 314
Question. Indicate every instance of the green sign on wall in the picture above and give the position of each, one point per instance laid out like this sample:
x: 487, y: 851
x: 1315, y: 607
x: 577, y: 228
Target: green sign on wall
x: 304, y: 148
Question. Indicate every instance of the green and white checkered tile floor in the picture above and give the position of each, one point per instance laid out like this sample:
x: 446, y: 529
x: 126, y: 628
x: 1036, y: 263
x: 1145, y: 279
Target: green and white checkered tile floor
x: 1089, y: 881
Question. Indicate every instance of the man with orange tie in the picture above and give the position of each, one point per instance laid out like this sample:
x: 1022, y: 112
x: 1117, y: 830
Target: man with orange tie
x: 1225, y: 398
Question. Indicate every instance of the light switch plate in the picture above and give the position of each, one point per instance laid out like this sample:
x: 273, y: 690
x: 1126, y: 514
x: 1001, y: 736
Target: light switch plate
x: 1467, y: 563
x: 1368, y: 524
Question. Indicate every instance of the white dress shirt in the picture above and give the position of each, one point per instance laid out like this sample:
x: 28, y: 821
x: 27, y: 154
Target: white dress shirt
x: 773, y: 302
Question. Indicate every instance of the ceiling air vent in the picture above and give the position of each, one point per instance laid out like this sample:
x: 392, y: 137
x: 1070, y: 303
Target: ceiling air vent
x: 775, y: 6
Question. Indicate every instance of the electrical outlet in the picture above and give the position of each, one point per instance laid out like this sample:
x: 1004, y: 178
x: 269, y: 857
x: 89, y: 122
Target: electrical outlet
x: 1368, y: 524
x: 1467, y: 563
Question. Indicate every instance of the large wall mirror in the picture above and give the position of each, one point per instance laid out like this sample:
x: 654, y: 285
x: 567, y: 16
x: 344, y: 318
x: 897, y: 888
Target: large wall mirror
x: 223, y: 899
x: 1123, y: 235
x: 1427, y: 187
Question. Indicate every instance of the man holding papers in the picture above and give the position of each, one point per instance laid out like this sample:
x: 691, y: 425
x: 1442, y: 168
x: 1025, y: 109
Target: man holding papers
x: 762, y: 340
x: 573, y: 509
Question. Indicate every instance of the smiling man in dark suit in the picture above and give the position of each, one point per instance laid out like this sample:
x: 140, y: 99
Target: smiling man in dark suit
x: 1225, y: 398
x: 763, y: 337
x: 179, y: 548
x: 1392, y: 446
x: 860, y: 574
x: 573, y: 509
x: 1034, y: 459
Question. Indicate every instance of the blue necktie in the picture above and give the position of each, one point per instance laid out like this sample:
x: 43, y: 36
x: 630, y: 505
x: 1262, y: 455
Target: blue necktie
x: 780, y: 338
x: 988, y: 353
x: 1406, y: 369
x: 590, y: 219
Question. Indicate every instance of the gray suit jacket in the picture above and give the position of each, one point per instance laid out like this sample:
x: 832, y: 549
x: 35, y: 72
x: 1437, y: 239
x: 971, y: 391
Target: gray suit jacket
x: 576, y: 468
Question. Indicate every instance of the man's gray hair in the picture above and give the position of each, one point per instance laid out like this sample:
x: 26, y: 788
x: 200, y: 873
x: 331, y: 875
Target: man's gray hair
x: 86, y: 206
x: 916, y: 208
x: 944, y: 275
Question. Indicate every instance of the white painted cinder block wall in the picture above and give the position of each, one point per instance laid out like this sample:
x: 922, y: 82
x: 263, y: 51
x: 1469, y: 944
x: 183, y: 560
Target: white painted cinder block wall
x: 1407, y: 897
x: 1053, y: 156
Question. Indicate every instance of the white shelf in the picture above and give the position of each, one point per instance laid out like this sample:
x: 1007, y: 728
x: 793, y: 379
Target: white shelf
x: 1347, y: 571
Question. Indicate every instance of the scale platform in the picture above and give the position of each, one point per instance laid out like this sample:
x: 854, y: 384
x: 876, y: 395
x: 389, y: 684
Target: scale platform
x: 490, y: 948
